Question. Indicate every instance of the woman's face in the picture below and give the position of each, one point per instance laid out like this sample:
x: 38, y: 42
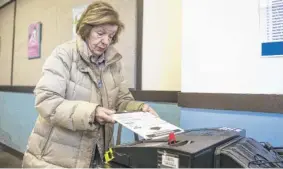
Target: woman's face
x: 100, y: 38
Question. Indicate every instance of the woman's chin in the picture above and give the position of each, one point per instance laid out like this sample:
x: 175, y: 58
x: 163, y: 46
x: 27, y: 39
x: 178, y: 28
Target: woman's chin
x: 97, y: 53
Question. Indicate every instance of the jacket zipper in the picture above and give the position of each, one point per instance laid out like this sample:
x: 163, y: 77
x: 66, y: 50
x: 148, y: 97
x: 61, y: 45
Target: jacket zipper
x: 103, y: 84
x: 96, y: 146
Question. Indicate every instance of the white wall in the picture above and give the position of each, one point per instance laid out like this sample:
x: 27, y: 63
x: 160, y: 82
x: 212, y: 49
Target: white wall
x: 161, y: 68
x: 221, y: 49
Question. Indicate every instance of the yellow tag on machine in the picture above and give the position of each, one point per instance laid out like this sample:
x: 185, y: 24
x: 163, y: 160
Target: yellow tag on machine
x: 108, y: 156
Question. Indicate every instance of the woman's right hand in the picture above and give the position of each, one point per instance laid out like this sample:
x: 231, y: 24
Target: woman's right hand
x: 103, y: 115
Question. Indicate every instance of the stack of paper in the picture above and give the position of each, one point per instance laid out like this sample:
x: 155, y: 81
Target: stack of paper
x: 146, y: 125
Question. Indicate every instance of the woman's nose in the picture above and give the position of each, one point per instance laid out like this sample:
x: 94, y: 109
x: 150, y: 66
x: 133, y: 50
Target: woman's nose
x: 105, y: 40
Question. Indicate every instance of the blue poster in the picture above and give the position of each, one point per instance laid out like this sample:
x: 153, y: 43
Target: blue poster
x: 271, y: 25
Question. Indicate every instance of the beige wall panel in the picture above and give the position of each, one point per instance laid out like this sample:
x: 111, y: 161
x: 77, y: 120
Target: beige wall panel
x: 162, y: 37
x: 27, y: 72
x: 6, y: 42
x: 56, y: 21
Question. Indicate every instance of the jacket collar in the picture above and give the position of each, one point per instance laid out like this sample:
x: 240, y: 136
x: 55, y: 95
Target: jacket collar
x: 111, y: 55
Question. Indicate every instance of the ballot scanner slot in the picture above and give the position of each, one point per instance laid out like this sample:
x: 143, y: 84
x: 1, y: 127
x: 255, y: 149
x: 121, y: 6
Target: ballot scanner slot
x: 161, y: 142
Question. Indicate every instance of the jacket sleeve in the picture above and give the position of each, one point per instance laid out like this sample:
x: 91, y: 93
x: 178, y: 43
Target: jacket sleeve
x: 126, y: 101
x: 50, y: 99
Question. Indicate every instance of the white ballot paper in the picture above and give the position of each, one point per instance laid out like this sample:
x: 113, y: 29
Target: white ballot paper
x: 146, y: 125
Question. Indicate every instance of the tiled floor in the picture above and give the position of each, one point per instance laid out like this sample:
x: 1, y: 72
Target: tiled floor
x: 8, y: 160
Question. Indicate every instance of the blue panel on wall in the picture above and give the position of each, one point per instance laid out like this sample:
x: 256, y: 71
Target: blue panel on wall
x: 261, y: 126
x: 167, y: 111
x: 18, y: 116
x: 16, y: 119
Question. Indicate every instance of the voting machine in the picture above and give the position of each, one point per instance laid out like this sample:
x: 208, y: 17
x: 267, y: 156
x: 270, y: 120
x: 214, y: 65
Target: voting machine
x: 198, y: 148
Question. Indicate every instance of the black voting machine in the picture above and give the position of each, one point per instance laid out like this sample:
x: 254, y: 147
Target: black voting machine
x: 198, y: 148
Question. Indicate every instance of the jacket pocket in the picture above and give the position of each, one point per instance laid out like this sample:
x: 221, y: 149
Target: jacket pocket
x: 47, y: 141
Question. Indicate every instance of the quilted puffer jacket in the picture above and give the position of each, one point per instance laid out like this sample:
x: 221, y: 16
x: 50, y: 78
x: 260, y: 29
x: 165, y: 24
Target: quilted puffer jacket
x: 66, y: 96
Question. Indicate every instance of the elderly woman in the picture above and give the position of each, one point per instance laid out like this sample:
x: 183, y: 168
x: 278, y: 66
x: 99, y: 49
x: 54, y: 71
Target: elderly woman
x: 81, y: 86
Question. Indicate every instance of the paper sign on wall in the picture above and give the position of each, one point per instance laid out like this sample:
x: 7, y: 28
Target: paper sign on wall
x: 271, y: 27
x: 77, y: 12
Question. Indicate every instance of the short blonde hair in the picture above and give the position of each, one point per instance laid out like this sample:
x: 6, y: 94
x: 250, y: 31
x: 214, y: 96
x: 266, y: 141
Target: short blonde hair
x: 98, y: 13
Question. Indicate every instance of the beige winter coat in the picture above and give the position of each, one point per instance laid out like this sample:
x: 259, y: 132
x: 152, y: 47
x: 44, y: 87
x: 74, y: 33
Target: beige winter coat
x: 66, y: 97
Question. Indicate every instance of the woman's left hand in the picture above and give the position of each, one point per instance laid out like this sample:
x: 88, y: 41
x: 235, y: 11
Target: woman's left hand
x: 147, y: 108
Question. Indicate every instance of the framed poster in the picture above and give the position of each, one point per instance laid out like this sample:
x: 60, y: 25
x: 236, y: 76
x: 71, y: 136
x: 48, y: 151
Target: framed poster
x: 34, y: 40
x: 271, y: 27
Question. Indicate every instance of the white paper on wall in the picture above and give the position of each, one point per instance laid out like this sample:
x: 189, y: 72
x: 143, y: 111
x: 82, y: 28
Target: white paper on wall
x: 77, y: 12
x: 271, y: 27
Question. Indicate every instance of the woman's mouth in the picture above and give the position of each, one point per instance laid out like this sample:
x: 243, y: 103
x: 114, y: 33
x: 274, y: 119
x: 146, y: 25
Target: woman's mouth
x: 101, y: 49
